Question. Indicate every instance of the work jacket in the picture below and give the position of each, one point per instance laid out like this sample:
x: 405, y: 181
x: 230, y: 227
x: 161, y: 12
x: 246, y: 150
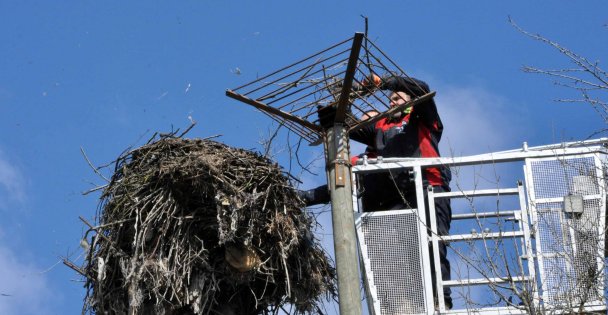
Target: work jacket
x: 416, y: 134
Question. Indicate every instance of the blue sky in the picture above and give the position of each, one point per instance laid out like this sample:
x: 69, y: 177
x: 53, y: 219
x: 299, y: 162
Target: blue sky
x: 106, y: 75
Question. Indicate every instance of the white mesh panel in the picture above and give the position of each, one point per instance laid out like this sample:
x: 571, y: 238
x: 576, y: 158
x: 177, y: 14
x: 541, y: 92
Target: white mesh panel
x: 553, y: 234
x: 393, y: 250
x: 557, y: 178
x: 587, y: 243
x: 559, y: 279
x: 569, y: 243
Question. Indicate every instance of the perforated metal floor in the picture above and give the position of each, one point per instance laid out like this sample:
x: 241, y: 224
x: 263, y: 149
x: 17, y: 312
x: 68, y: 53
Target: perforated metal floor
x: 393, y: 249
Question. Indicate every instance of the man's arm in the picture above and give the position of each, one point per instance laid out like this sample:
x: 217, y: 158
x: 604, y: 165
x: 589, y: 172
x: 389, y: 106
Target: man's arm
x: 366, y: 135
x: 411, y: 86
x: 315, y: 196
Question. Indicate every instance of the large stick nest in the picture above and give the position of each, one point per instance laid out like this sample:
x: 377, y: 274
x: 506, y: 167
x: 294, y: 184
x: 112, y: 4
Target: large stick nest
x: 197, y: 227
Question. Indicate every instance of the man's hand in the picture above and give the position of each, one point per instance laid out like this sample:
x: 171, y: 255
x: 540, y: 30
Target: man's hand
x: 368, y: 84
x: 372, y: 81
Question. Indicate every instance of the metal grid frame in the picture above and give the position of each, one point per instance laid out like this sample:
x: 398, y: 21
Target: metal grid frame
x: 569, y: 246
x: 335, y: 76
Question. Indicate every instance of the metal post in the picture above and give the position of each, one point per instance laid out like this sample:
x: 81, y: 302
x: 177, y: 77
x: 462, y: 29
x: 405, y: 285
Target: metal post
x: 345, y: 242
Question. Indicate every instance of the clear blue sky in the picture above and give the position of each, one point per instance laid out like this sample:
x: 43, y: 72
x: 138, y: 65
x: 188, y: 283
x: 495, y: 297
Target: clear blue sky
x: 105, y: 75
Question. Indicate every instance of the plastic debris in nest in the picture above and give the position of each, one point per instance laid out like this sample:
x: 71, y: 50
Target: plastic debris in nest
x: 197, y: 227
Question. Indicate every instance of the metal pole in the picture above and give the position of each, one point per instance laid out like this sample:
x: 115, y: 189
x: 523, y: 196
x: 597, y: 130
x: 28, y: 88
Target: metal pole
x: 345, y: 244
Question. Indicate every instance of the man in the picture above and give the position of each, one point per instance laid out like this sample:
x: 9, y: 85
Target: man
x: 369, y: 151
x: 413, y: 132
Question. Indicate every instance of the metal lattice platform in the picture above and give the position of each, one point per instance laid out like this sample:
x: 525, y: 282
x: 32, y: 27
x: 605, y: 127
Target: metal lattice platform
x: 293, y: 95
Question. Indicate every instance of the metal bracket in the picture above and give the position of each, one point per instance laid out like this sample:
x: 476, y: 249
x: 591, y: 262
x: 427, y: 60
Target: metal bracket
x: 341, y: 166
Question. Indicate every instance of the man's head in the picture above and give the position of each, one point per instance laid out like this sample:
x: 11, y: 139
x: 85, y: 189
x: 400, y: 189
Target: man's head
x: 398, y: 98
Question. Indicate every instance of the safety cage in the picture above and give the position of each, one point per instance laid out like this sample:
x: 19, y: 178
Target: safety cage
x: 536, y: 246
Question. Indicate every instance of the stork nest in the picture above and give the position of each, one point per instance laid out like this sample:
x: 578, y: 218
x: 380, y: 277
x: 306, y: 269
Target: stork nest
x: 197, y: 227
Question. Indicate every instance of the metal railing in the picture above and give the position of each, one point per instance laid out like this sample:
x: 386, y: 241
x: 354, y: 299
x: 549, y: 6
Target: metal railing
x: 528, y: 222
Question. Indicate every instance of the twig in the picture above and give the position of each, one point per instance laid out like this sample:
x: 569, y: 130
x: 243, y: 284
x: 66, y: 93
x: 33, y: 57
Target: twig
x: 192, y: 124
x: 211, y: 137
x: 94, y: 189
x: 91, y: 165
x: 75, y: 268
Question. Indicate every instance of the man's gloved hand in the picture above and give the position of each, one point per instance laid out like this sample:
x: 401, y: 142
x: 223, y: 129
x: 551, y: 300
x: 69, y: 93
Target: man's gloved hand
x: 314, y: 196
x: 327, y: 116
x: 368, y: 84
x: 372, y: 81
x: 305, y: 195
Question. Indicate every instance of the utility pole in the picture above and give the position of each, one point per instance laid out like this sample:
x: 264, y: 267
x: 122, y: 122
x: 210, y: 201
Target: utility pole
x: 345, y: 244
x: 340, y: 187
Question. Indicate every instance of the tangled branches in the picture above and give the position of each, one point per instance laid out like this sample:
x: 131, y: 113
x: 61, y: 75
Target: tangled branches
x: 584, y: 76
x: 197, y: 227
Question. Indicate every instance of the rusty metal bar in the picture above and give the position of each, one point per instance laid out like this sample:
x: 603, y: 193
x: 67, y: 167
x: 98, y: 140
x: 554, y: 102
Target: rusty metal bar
x: 357, y: 107
x: 379, y: 66
x: 385, y: 56
x: 289, y: 124
x: 364, y: 110
x: 297, y: 71
x: 311, y: 103
x: 364, y: 100
x: 272, y: 110
x: 390, y: 60
x: 309, y: 94
x: 323, y: 98
x: 312, y: 136
x: 385, y: 68
x: 348, y: 78
x: 305, y: 88
x: 297, y: 129
x: 382, y: 91
x: 373, y: 94
x: 379, y: 61
x: 391, y: 111
x: 293, y: 64
x: 316, y: 110
x: 383, y: 102
x: 351, y: 119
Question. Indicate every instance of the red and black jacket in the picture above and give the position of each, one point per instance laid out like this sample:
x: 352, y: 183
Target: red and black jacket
x: 416, y: 134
